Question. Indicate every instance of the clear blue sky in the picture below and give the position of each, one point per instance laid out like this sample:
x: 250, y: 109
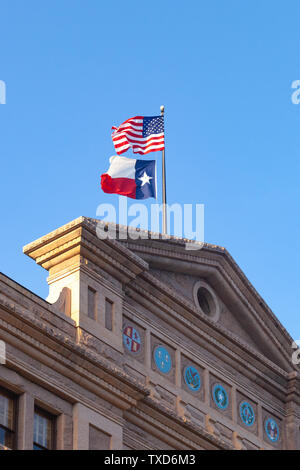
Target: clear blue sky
x: 224, y: 72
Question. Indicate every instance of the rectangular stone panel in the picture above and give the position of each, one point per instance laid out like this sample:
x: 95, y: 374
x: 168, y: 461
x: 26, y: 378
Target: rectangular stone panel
x: 109, y: 312
x: 98, y: 440
x: 272, y: 429
x: 220, y: 396
x: 133, y: 339
x: 163, y: 358
x: 247, y: 413
x: 192, y: 378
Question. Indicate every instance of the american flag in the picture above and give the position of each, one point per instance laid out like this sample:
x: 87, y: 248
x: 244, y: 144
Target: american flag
x: 143, y: 134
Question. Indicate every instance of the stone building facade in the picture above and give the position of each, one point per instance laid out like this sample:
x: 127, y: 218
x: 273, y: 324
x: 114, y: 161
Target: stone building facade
x: 142, y: 344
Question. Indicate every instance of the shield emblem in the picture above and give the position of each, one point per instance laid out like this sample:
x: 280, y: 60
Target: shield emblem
x: 131, y: 339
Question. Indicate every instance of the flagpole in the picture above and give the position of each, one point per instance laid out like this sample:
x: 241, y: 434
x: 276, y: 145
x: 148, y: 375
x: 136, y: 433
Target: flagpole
x: 164, y: 189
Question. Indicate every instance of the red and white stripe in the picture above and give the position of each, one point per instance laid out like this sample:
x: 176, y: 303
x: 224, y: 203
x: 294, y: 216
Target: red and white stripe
x: 130, y: 134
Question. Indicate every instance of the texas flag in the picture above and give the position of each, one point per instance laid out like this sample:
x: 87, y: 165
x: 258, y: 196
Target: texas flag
x: 130, y: 177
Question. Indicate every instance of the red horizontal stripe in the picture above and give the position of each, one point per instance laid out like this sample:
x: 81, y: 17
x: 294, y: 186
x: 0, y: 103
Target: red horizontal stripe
x: 130, y: 133
x: 122, y: 186
x: 131, y: 124
x: 135, y: 144
x: 135, y: 117
x: 145, y: 151
x: 119, y: 152
x: 138, y: 132
x: 132, y: 119
x: 143, y: 147
x: 120, y: 143
x: 136, y: 128
x: 147, y: 141
x: 151, y: 136
x: 136, y: 139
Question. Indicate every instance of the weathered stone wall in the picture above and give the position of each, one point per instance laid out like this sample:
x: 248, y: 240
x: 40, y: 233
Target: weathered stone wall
x: 165, y: 375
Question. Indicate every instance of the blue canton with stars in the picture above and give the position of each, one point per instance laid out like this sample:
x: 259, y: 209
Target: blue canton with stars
x: 153, y: 125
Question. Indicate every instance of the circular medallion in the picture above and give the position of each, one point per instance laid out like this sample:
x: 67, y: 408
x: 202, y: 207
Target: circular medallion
x: 247, y: 413
x: 162, y: 359
x: 131, y: 339
x: 220, y: 396
x: 192, y: 378
x: 272, y: 429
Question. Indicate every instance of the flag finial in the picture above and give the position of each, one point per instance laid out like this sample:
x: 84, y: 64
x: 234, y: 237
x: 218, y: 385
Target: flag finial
x: 162, y: 109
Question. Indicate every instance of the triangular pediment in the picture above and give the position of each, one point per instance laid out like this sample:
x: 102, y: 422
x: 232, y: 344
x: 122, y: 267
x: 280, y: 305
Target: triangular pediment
x: 187, y: 286
x: 242, y: 312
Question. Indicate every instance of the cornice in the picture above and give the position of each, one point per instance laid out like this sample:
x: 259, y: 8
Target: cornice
x: 211, y: 323
x: 61, y: 351
x: 134, y: 441
x: 200, y: 331
x: 249, y: 369
x: 151, y: 414
x: 165, y: 246
x: 175, y: 247
x: 13, y: 291
x: 221, y: 266
x: 123, y: 258
x: 79, y: 238
x: 65, y: 392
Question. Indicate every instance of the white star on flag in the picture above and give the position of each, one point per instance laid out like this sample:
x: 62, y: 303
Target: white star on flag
x: 145, y: 178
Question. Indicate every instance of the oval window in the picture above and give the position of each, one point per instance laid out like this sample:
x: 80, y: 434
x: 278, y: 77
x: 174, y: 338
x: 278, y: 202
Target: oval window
x: 205, y: 300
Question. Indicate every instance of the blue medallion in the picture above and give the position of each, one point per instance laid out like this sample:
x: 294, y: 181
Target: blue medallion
x: 247, y: 413
x: 192, y: 378
x: 220, y: 397
x: 162, y: 359
x: 272, y: 430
